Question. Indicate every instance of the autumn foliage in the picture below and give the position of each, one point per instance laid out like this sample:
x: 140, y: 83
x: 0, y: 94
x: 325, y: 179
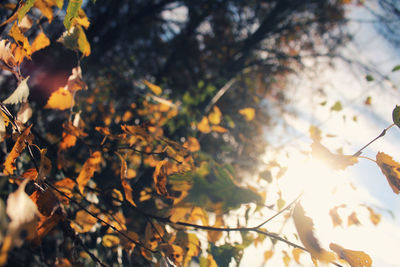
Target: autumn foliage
x: 115, y: 186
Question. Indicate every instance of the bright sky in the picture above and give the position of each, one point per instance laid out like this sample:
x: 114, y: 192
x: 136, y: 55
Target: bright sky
x: 318, y: 181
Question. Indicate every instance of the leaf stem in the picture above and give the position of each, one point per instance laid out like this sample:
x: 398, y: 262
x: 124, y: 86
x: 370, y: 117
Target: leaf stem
x: 358, y: 153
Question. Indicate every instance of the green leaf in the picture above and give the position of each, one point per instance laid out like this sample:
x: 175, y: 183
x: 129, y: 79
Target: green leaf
x: 24, y: 9
x: 369, y: 78
x: 396, y: 115
x: 337, y: 106
x: 72, y: 12
x: 396, y: 68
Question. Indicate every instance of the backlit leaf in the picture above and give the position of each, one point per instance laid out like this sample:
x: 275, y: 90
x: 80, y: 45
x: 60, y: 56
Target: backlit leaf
x: 353, y: 257
x: 23, y: 214
x: 335, y: 161
x: 89, y: 168
x: 337, y: 106
x: 154, y: 88
x: 305, y: 228
x: 215, y: 116
x: 19, y: 146
x: 20, y: 94
x: 218, y: 129
x: 248, y: 113
x: 46, y: 8
x: 66, y: 186
x: 296, y: 254
x: 5, y: 53
x: 391, y: 169
x: 61, y: 99
x: 75, y: 39
x: 203, y: 126
x: 72, y: 12
x: 396, y: 115
x: 286, y: 259
x: 373, y: 216
x: 24, y: 112
x: 110, y: 241
x: 125, y: 183
x: 268, y: 255
x: 353, y: 219
x: 41, y: 41
x: 192, y: 144
x: 83, y: 221
x: 336, y: 220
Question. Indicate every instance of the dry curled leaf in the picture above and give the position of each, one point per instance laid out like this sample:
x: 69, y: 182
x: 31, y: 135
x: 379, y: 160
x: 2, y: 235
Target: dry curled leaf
x: 160, y: 178
x: 75, y: 81
x: 19, y: 146
x: 125, y: 183
x: 353, y: 257
x: 89, y: 168
x: 391, y: 169
x: 305, y: 228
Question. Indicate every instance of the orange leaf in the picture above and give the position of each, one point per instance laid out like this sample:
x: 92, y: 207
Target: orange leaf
x: 110, y: 241
x: 89, y: 168
x: 68, y: 141
x: 154, y: 88
x: 41, y: 41
x: 373, y: 216
x: 65, y: 185
x: 19, y: 146
x: 60, y: 99
x: 353, y: 257
x: 218, y: 129
x: 305, y: 228
x: 296, y: 254
x: 203, y: 126
x: 215, y: 116
x: 335, y: 161
x: 125, y: 183
x: 336, y: 220
x: 352, y: 219
x: 153, y: 235
x: 192, y: 144
x: 84, y: 222
x: 248, y: 113
x: 160, y: 178
x: 46, y: 7
x: 391, y: 169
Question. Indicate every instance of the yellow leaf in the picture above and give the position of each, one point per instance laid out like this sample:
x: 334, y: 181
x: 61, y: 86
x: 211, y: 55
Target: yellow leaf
x: 41, y: 41
x: 61, y: 99
x: 153, y: 235
x: 215, y: 116
x: 21, y: 40
x: 353, y: 257
x: 110, y: 241
x: 192, y: 144
x: 154, y: 88
x: 336, y: 220
x: 268, y: 255
x: 83, y: 43
x: 286, y: 259
x: 335, y: 161
x: 305, y: 228
x: 203, y: 126
x: 81, y: 19
x: 89, y: 168
x: 296, y: 254
x: 391, y: 169
x: 248, y: 113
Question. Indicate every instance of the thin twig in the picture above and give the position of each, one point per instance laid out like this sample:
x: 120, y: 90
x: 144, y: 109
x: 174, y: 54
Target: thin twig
x: 358, y: 153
